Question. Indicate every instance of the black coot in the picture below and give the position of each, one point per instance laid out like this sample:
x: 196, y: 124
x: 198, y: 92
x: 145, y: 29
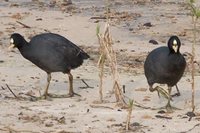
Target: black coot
x: 52, y: 53
x: 165, y: 65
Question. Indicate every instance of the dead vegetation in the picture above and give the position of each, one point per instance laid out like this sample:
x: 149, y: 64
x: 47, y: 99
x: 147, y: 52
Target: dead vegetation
x: 107, y: 53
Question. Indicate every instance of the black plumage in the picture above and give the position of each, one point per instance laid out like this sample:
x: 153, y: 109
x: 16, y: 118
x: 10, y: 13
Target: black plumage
x: 52, y: 53
x: 165, y: 65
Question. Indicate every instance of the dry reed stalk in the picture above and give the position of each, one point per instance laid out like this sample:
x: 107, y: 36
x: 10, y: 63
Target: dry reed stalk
x: 195, y: 13
x: 101, y: 74
x: 107, y: 52
x: 101, y: 64
x: 128, y: 120
x: 194, y: 19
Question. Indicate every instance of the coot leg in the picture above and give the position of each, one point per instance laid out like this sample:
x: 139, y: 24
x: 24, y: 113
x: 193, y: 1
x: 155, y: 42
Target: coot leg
x: 178, y: 92
x: 70, y: 94
x: 71, y: 91
x: 159, y: 90
x: 151, y: 89
x: 170, y: 108
x: 47, y: 86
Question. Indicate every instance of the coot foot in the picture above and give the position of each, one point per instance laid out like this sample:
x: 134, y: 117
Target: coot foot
x: 72, y: 94
x: 59, y: 96
x: 161, y: 91
x: 176, y: 94
x: 45, y: 97
x: 169, y: 108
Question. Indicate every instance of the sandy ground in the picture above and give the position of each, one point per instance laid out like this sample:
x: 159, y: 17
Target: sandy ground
x: 131, y: 42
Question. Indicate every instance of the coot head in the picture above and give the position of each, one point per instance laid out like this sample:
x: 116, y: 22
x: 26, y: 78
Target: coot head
x: 174, y: 44
x: 17, y: 40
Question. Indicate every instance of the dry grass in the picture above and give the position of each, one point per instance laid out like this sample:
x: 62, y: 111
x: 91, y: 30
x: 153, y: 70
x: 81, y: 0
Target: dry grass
x: 195, y: 13
x: 107, y: 53
x: 128, y: 120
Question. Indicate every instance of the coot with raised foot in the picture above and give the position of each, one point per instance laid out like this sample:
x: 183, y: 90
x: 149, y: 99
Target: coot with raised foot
x: 52, y: 53
x: 165, y: 65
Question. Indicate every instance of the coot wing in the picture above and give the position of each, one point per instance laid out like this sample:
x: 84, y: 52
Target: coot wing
x: 55, y: 52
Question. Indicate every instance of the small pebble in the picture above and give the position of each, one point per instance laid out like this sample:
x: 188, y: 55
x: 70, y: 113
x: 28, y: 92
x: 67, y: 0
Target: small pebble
x: 135, y: 124
x: 153, y: 42
x: 190, y: 114
x: 161, y: 112
x: 148, y: 24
